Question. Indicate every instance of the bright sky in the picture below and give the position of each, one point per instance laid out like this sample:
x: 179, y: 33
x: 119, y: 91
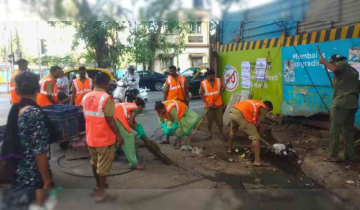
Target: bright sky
x: 16, y: 10
x: 58, y: 40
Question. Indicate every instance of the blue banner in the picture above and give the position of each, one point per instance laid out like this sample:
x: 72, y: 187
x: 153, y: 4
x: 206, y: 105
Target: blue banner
x: 302, y: 71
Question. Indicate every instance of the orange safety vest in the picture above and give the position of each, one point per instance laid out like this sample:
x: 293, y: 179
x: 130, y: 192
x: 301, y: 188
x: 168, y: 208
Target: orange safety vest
x: 212, y: 93
x: 250, y: 109
x: 42, y: 97
x: 82, y: 89
x: 176, y: 88
x: 15, y: 98
x: 169, y: 105
x: 122, y: 113
x: 98, y: 131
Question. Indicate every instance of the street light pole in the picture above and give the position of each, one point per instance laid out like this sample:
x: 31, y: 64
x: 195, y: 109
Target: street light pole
x: 39, y: 56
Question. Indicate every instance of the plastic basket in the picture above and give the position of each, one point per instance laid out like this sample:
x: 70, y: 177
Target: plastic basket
x: 65, y: 118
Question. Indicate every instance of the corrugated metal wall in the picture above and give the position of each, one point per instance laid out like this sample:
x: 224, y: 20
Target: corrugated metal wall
x: 318, y: 15
x: 333, y: 10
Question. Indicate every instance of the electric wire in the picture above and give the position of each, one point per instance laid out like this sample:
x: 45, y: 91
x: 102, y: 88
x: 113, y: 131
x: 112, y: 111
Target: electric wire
x: 312, y: 82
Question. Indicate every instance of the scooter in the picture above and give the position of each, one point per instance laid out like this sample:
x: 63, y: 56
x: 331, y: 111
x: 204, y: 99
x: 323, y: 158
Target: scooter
x: 122, y: 93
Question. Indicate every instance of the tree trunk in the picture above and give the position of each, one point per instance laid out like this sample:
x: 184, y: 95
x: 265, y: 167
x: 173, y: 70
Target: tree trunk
x: 144, y: 66
x: 151, y: 65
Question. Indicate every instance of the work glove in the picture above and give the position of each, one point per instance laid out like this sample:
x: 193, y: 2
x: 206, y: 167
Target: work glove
x: 163, y: 125
x: 174, y: 126
x: 140, y: 131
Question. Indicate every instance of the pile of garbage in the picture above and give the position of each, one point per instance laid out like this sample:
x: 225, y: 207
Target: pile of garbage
x: 278, y: 150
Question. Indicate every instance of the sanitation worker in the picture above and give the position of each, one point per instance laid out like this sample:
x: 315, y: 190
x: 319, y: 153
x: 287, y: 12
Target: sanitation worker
x: 248, y: 115
x: 344, y: 106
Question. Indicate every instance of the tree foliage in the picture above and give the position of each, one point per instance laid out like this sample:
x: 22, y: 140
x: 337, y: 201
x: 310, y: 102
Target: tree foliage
x: 80, y: 10
x: 101, y: 41
x: 65, y: 61
x: 148, y: 36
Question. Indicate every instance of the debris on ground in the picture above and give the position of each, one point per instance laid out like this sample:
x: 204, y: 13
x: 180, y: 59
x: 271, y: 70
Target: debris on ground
x: 347, y: 167
x: 350, y: 182
x: 212, y: 157
x: 257, y: 180
x: 197, y: 150
x: 186, y: 147
x: 231, y: 160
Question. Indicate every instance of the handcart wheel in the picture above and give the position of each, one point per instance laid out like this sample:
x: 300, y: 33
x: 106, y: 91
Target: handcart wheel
x: 64, y: 144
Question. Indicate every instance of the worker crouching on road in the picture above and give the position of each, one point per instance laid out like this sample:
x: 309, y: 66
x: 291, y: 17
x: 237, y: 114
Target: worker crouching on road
x: 248, y: 115
x: 101, y: 132
x: 344, y: 106
x: 210, y: 93
x: 125, y: 114
x: 175, y: 118
x: 81, y: 87
x: 48, y: 88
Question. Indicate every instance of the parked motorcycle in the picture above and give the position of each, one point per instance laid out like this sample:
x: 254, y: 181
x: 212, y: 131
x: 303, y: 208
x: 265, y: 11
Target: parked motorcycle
x: 122, y: 93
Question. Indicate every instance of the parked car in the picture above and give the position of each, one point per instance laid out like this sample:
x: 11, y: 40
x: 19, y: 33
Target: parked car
x: 152, y: 80
x: 72, y: 74
x: 194, y: 76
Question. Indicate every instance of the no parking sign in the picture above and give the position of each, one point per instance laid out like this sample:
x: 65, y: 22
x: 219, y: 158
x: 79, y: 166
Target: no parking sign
x: 231, y: 77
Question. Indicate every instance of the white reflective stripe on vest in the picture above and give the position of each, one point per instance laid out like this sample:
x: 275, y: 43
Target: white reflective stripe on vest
x: 100, y: 112
x: 207, y: 93
x: 76, y: 87
x: 45, y: 93
x: 170, y: 106
x: 212, y: 93
x: 103, y: 97
x: 94, y: 114
x: 12, y: 88
x: 43, y: 87
x: 91, y: 84
x: 254, y: 105
x: 181, y: 85
x: 125, y: 107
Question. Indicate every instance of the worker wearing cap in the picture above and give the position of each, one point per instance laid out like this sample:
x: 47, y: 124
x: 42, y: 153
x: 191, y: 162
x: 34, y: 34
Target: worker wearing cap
x: 248, y: 116
x: 344, y: 106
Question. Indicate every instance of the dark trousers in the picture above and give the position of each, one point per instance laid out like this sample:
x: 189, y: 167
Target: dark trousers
x: 342, y: 122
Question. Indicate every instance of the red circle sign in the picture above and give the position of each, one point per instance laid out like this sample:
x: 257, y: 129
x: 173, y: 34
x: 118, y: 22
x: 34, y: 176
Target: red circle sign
x: 230, y: 78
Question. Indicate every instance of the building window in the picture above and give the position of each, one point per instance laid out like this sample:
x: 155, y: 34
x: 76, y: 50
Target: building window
x: 167, y: 62
x: 196, y: 61
x: 195, y: 28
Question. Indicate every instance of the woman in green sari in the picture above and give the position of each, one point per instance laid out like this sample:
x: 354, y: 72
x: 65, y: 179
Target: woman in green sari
x: 175, y: 118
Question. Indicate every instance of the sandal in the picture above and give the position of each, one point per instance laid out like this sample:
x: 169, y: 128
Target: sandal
x: 93, y: 192
x: 106, y: 198
x: 138, y: 166
x: 177, y: 146
x: 164, y: 142
x: 230, y: 151
x: 222, y: 138
x: 261, y: 164
x: 331, y: 159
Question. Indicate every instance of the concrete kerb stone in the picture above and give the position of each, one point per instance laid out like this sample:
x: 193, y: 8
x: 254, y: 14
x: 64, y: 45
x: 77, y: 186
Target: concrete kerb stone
x: 332, y: 176
x: 327, y: 174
